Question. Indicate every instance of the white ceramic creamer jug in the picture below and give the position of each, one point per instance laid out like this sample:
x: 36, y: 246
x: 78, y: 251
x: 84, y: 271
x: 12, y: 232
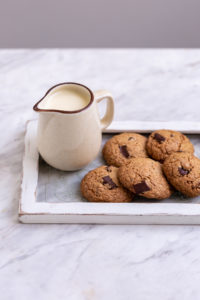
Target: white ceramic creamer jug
x: 69, y: 126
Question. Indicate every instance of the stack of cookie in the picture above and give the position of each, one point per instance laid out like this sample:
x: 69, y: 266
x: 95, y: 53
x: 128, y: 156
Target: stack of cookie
x: 149, y: 167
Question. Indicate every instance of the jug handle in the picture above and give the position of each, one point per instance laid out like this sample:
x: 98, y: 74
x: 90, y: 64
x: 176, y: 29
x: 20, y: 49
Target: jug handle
x: 108, y: 117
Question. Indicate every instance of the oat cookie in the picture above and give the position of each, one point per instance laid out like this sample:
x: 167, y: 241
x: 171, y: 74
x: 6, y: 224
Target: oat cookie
x: 102, y: 185
x: 144, y: 177
x: 122, y: 147
x: 162, y: 143
x: 183, y: 172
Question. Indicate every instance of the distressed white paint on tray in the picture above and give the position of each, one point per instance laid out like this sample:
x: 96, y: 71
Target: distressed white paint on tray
x: 65, y: 261
x: 149, y: 126
x: 64, y: 204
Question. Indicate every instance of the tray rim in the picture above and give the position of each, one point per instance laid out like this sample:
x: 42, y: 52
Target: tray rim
x: 31, y: 211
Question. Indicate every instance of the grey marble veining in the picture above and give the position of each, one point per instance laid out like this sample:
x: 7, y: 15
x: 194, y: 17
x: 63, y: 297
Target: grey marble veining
x: 89, y: 261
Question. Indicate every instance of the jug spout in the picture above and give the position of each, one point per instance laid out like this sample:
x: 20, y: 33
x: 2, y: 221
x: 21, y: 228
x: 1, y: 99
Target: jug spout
x: 42, y: 104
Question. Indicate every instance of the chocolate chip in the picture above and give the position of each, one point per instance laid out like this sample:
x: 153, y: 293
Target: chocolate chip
x: 159, y: 138
x: 131, y: 138
x: 124, y: 151
x: 108, y: 180
x: 108, y: 169
x: 183, y: 171
x: 171, y: 135
x: 141, y: 187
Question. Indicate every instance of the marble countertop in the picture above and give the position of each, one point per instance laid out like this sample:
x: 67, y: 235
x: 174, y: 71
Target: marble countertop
x: 95, y: 261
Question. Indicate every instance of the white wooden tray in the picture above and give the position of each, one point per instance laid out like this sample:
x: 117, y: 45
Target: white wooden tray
x: 52, y: 196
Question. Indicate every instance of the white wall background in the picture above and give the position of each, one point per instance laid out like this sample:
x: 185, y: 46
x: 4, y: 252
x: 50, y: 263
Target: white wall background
x: 99, y: 23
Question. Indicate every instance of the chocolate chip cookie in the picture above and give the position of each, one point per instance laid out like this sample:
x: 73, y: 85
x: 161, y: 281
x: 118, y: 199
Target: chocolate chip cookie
x: 122, y: 147
x: 102, y: 185
x: 183, y: 172
x: 162, y: 143
x: 144, y: 177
